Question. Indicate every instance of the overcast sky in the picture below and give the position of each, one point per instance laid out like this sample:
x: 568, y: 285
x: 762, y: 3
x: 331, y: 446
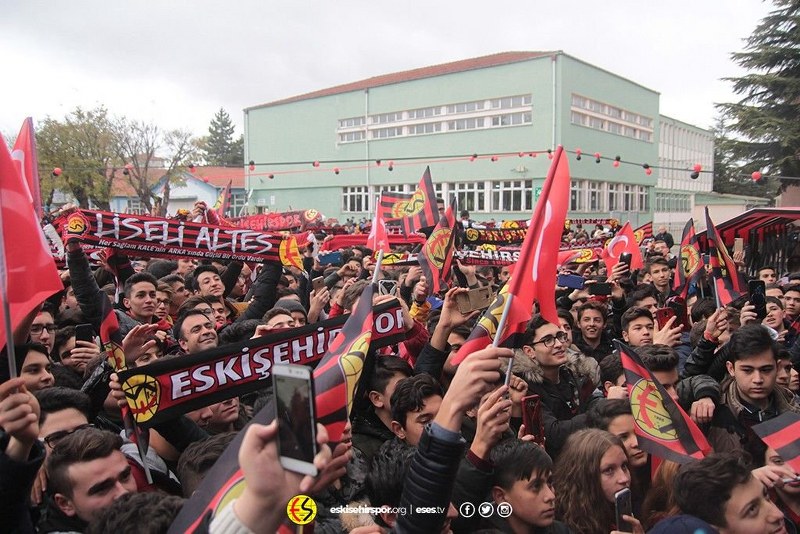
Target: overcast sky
x: 176, y: 62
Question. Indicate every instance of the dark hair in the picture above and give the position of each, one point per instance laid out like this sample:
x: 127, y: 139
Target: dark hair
x: 536, y: 322
x: 640, y: 293
x: 172, y: 278
x: 137, y: 278
x: 603, y: 412
x: 387, y: 473
x: 275, y: 312
x: 200, y: 269
x: 765, y: 267
x: 238, y: 331
x: 161, y: 268
x: 57, y: 398
x: 750, y: 340
x: 776, y: 301
x: 83, y: 446
x: 631, y: 314
x: 702, y: 488
x: 353, y: 293
x: 198, y: 458
x: 176, y: 330
x: 194, y: 300
x: 656, y: 260
x: 703, y: 309
x: 593, y: 305
x: 517, y: 460
x: 125, y: 514
x: 385, y: 368
x: 20, y: 353
x: 795, y: 288
x: 283, y: 292
x: 658, y: 357
x: 611, y: 368
x: 410, y: 395
x: 62, y: 336
x: 567, y: 316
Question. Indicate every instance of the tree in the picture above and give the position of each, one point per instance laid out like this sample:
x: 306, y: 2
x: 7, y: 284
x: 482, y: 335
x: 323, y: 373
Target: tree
x: 82, y: 145
x: 219, y: 146
x: 766, y: 121
x: 728, y: 172
x: 139, y: 145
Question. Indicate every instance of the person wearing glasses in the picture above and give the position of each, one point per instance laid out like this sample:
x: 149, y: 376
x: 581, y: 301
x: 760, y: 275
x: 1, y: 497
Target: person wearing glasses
x: 565, y: 397
x: 43, y: 329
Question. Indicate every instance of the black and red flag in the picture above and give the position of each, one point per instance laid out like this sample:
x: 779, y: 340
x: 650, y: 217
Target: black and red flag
x: 691, y: 262
x: 436, y: 255
x: 414, y: 211
x: 782, y: 433
x: 336, y: 376
x: 223, y: 200
x: 662, y: 427
x: 727, y: 283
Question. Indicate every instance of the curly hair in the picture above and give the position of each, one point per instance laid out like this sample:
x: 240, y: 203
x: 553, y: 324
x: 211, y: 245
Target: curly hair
x: 577, y: 482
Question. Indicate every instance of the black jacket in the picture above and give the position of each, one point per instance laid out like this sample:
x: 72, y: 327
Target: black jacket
x: 369, y: 433
x: 605, y: 347
x: 16, y: 480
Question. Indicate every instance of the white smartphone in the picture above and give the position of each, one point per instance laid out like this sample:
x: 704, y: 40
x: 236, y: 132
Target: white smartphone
x: 293, y: 387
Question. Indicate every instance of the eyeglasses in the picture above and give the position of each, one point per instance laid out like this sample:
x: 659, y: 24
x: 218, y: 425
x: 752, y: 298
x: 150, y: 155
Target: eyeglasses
x: 55, y: 437
x: 36, y: 329
x: 550, y: 341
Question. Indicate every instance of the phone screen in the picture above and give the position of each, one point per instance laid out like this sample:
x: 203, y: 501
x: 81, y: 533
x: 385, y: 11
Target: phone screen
x: 84, y: 332
x: 758, y: 297
x: 294, y: 411
x: 623, y: 506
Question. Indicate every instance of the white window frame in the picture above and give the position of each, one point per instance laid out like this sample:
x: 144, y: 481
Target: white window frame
x: 355, y: 196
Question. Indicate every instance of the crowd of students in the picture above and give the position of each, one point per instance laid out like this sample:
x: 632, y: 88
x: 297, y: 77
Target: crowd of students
x: 423, y: 432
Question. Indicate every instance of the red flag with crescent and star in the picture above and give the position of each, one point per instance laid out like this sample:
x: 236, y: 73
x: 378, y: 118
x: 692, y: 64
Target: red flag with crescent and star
x: 691, y: 261
x: 436, y: 255
x: 662, y: 427
x: 336, y: 376
x: 377, y: 238
x: 623, y: 241
x: 414, y: 211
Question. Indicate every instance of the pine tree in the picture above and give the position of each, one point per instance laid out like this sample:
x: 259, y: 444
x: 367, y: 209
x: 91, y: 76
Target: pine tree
x: 766, y: 121
x: 219, y: 147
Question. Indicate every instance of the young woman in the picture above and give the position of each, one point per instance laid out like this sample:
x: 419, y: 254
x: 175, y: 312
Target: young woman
x: 590, y: 470
x: 786, y: 497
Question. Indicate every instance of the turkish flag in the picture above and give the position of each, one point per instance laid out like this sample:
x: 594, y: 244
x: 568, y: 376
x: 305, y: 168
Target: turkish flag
x: 377, y: 239
x: 30, y: 269
x: 24, y: 155
x: 623, y: 241
x: 535, y: 273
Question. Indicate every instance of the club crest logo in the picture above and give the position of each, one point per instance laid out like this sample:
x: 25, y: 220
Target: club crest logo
x: 472, y: 234
x: 352, y: 364
x: 436, y: 247
x: 690, y: 259
x: 649, y: 412
x: 144, y: 395
x: 290, y: 253
x: 408, y: 208
x: 76, y: 224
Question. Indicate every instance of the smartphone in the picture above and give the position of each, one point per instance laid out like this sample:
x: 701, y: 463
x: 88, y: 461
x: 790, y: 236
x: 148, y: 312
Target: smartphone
x: 758, y: 297
x: 681, y: 315
x: 572, y: 281
x: 318, y: 283
x: 387, y: 287
x: 475, y: 299
x: 331, y: 258
x: 663, y: 315
x: 532, y: 418
x: 738, y: 244
x: 623, y: 506
x: 293, y: 388
x: 599, y: 288
x: 626, y: 258
x: 84, y: 332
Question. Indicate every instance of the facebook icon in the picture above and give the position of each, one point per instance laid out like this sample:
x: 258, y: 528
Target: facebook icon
x: 466, y: 509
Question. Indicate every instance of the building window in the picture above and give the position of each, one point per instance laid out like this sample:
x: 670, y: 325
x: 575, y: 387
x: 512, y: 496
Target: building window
x: 595, y: 197
x: 355, y: 199
x: 385, y: 133
x: 511, y: 119
x: 516, y: 195
x: 385, y: 118
x: 352, y: 122
x: 576, y: 195
x: 135, y: 206
x: 511, y: 102
x: 351, y: 137
x: 465, y: 107
x: 610, y: 119
x: 465, y: 124
x: 424, y: 113
x: 629, y: 199
x: 427, y: 128
x: 238, y: 200
x: 644, y: 198
x: 471, y: 195
x: 613, y: 197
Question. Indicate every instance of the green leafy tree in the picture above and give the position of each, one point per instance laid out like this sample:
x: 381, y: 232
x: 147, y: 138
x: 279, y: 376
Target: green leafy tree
x: 764, y: 125
x: 82, y: 145
x: 219, y: 147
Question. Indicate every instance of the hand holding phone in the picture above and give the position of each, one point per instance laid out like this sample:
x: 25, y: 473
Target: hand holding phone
x: 532, y: 418
x: 318, y: 283
x: 293, y: 388
x: 474, y: 299
x: 84, y: 332
x: 599, y: 288
x: 663, y: 315
x: 623, y: 506
x: 758, y: 297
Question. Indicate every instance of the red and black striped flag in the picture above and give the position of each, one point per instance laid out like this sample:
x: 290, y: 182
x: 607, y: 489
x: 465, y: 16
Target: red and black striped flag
x: 336, y: 376
x: 727, y: 283
x: 691, y: 262
x: 414, y: 211
x: 782, y: 433
x: 662, y: 427
x: 436, y: 255
x: 223, y: 200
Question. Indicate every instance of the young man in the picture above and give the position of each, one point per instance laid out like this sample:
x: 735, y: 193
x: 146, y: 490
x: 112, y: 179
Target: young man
x: 791, y: 302
x: 414, y: 403
x: 750, y: 394
x: 523, y: 479
x: 207, y: 282
x: 721, y: 491
x: 767, y: 274
x: 86, y: 473
x: 140, y: 297
x: 591, y: 337
x: 43, y: 328
x: 637, y: 327
x: 659, y: 272
x: 615, y: 416
x: 179, y: 293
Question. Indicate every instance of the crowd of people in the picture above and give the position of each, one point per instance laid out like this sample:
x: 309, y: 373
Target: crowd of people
x: 423, y: 432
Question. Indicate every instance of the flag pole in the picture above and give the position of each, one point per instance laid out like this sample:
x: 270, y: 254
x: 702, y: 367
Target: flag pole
x: 716, y: 293
x: 377, y: 267
x: 500, y: 327
x: 12, y: 362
